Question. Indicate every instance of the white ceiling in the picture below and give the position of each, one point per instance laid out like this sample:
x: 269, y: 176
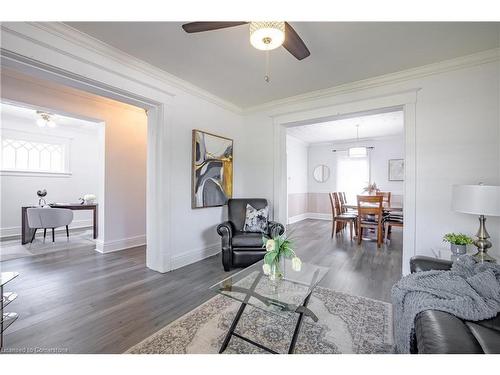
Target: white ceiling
x: 224, y: 63
x: 370, y: 126
x: 24, y: 113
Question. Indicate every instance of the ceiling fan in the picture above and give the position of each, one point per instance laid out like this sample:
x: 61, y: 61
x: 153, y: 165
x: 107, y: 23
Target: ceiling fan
x: 264, y: 36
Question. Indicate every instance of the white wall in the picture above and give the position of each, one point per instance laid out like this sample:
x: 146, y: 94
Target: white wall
x: 122, y: 203
x: 317, y: 202
x: 385, y: 148
x: 178, y: 234
x: 297, y: 169
x: 194, y: 233
x: 18, y: 190
x: 194, y: 230
x: 321, y: 154
x: 457, y: 141
x: 297, y: 165
x: 457, y: 132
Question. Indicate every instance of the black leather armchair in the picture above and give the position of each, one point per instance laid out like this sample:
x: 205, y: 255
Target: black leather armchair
x: 241, y: 249
x: 438, y: 332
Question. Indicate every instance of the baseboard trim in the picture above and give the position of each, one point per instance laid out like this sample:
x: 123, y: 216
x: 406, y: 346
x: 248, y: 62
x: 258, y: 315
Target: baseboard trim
x: 318, y: 216
x: 309, y: 215
x: 196, y: 255
x: 121, y: 244
x: 297, y: 218
x: 16, y: 231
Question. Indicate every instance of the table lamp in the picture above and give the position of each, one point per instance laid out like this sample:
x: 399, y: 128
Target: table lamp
x: 482, y: 200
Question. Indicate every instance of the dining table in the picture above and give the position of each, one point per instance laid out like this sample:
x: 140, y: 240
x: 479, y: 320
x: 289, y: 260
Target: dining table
x: 394, y: 207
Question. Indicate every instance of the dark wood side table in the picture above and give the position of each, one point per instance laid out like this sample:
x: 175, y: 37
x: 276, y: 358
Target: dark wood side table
x: 27, y: 232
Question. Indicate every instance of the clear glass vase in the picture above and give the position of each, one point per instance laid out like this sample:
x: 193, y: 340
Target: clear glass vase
x: 277, y: 270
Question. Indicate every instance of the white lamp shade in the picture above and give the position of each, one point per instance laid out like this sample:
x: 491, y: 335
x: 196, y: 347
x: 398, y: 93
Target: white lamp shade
x: 476, y: 199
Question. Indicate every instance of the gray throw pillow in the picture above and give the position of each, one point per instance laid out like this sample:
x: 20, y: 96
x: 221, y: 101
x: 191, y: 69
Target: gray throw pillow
x: 256, y: 220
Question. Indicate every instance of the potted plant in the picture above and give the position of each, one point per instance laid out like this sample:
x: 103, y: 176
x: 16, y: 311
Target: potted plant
x: 371, y: 188
x: 458, y: 242
x: 278, y: 248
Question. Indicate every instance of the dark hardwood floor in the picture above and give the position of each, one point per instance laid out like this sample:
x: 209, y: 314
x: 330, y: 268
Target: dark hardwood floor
x: 81, y: 301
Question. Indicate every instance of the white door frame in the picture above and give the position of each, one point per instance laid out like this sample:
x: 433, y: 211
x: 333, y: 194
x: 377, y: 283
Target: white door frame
x: 28, y: 49
x: 405, y: 100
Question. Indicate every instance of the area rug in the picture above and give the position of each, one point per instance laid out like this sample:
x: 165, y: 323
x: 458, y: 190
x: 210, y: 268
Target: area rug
x: 347, y: 324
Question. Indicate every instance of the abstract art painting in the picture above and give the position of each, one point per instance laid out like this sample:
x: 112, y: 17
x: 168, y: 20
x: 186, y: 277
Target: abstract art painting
x: 212, y: 178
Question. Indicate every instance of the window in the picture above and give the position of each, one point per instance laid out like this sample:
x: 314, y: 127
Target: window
x: 25, y: 153
x: 32, y: 156
x: 353, y: 174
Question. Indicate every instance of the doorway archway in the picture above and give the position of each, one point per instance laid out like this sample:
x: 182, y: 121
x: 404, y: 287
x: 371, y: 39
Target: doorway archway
x: 405, y: 101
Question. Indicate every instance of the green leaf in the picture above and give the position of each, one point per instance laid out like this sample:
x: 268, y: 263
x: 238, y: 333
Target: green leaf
x: 288, y: 253
x: 270, y: 257
x: 457, y: 239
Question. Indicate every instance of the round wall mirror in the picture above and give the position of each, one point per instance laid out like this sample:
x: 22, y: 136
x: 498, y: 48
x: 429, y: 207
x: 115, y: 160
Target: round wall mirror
x: 321, y: 173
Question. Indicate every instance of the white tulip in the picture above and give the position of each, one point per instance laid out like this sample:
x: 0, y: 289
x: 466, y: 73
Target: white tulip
x: 270, y: 245
x: 266, y: 268
x: 296, y: 264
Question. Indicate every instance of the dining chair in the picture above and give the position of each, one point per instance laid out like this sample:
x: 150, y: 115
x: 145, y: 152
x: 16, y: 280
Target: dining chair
x: 386, y: 197
x: 343, y: 209
x: 340, y: 217
x: 48, y: 217
x: 370, y: 216
x: 393, y: 219
x: 343, y: 201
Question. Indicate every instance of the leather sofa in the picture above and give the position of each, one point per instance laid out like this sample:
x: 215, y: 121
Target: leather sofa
x: 241, y: 249
x: 438, y: 332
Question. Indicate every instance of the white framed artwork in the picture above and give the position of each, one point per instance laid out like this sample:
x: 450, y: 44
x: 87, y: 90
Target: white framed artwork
x: 396, y: 169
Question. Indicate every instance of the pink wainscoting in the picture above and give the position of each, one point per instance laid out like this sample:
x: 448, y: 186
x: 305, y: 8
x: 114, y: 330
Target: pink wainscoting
x: 319, y: 203
x: 297, y: 204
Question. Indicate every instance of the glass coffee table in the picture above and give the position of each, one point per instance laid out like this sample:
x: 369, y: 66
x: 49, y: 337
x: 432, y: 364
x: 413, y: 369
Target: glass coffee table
x: 289, y: 294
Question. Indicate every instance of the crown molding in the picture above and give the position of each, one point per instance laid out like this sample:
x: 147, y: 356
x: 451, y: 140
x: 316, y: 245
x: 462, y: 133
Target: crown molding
x: 343, y: 142
x: 94, y: 45
x: 462, y: 62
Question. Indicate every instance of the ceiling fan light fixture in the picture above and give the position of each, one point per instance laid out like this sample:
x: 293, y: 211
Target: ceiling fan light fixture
x: 266, y: 36
x: 45, y: 120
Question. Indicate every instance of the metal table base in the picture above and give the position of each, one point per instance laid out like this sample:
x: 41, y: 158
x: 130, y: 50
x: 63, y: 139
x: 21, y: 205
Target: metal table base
x: 301, y: 310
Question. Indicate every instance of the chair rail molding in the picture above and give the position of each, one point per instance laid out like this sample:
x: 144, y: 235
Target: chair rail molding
x: 32, y: 49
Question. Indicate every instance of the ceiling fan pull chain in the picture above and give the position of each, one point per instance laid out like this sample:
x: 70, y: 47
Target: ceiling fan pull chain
x: 267, y: 77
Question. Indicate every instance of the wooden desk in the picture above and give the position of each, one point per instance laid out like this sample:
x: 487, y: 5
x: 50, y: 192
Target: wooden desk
x: 27, y: 232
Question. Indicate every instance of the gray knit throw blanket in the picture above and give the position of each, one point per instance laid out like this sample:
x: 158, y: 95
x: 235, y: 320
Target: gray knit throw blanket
x: 470, y: 291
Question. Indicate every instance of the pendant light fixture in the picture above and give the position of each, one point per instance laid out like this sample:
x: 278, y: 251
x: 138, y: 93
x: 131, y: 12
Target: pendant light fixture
x: 357, y: 151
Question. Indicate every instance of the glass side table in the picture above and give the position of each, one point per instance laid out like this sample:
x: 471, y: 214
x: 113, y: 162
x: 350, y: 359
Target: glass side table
x: 7, y: 297
x: 288, y: 295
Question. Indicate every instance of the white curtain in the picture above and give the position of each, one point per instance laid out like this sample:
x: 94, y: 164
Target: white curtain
x: 353, y: 174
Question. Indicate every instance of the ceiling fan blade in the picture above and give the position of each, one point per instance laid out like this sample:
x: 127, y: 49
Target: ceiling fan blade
x: 196, y: 27
x: 294, y: 44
